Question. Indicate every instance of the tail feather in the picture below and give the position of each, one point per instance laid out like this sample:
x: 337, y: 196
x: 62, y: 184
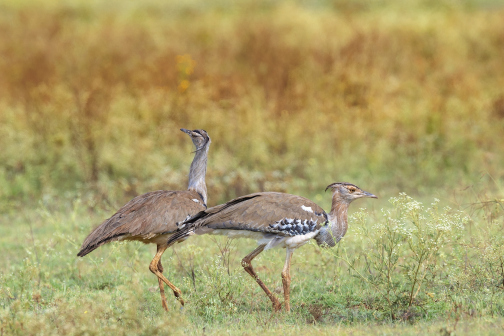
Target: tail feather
x: 86, y: 249
x: 180, y: 235
x: 188, y: 227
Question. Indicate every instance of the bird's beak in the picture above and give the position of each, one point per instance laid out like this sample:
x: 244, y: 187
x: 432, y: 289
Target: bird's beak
x: 186, y: 131
x: 366, y: 194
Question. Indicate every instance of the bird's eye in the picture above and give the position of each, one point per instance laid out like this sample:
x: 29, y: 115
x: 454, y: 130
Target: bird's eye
x: 351, y: 189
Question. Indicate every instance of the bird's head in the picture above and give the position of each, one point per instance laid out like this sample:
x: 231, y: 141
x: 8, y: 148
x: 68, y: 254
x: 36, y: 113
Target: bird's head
x: 348, y: 191
x: 199, y: 138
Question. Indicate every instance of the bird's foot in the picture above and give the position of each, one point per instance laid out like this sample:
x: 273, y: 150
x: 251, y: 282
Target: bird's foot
x: 179, y: 298
x: 277, y: 306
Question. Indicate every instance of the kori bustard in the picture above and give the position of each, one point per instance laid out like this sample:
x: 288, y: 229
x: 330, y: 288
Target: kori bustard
x: 153, y: 217
x: 276, y: 220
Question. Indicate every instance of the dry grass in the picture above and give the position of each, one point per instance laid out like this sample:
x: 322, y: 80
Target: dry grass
x: 294, y: 98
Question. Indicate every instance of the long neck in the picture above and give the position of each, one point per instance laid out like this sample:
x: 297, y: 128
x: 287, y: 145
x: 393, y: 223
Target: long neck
x: 197, y: 173
x: 338, y: 217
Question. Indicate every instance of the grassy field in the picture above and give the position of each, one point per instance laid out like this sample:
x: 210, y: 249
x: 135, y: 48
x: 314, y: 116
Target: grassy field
x: 403, y: 98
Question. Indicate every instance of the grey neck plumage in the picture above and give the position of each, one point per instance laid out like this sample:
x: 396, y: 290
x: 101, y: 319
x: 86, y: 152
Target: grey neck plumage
x: 197, y: 173
x: 338, y: 223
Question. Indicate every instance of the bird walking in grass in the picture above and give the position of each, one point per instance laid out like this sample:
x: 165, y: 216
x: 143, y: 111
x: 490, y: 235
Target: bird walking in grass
x: 276, y: 220
x: 153, y: 217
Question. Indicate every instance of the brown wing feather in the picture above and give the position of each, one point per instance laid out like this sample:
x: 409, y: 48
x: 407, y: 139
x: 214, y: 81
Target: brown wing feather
x: 254, y: 212
x: 267, y: 208
x: 145, y: 217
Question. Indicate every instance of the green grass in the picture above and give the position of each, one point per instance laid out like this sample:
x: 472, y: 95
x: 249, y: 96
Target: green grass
x: 45, y: 289
x: 394, y: 96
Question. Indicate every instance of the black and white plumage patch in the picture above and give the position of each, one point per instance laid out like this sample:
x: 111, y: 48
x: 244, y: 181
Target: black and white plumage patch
x: 181, y: 224
x: 294, y: 227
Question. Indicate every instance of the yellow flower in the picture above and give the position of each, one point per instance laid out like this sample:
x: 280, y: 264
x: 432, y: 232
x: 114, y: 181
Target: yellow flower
x: 184, y: 84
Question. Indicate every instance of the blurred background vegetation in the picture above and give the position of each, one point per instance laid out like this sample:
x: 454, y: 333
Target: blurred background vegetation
x: 394, y: 96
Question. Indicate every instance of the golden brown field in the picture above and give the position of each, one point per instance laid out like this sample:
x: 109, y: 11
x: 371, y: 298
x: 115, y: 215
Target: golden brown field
x: 294, y: 97
x: 392, y: 96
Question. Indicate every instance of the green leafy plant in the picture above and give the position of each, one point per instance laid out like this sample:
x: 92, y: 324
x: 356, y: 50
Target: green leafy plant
x: 402, y: 249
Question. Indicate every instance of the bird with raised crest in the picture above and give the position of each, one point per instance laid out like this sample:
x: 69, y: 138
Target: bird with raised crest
x: 153, y: 217
x: 276, y: 220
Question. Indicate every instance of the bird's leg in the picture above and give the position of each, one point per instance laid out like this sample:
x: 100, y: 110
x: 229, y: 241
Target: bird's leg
x: 247, y: 265
x: 161, y: 284
x: 154, y: 268
x: 286, y: 279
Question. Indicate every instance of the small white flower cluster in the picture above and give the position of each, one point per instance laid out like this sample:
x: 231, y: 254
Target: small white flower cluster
x: 400, y: 248
x: 426, y: 224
